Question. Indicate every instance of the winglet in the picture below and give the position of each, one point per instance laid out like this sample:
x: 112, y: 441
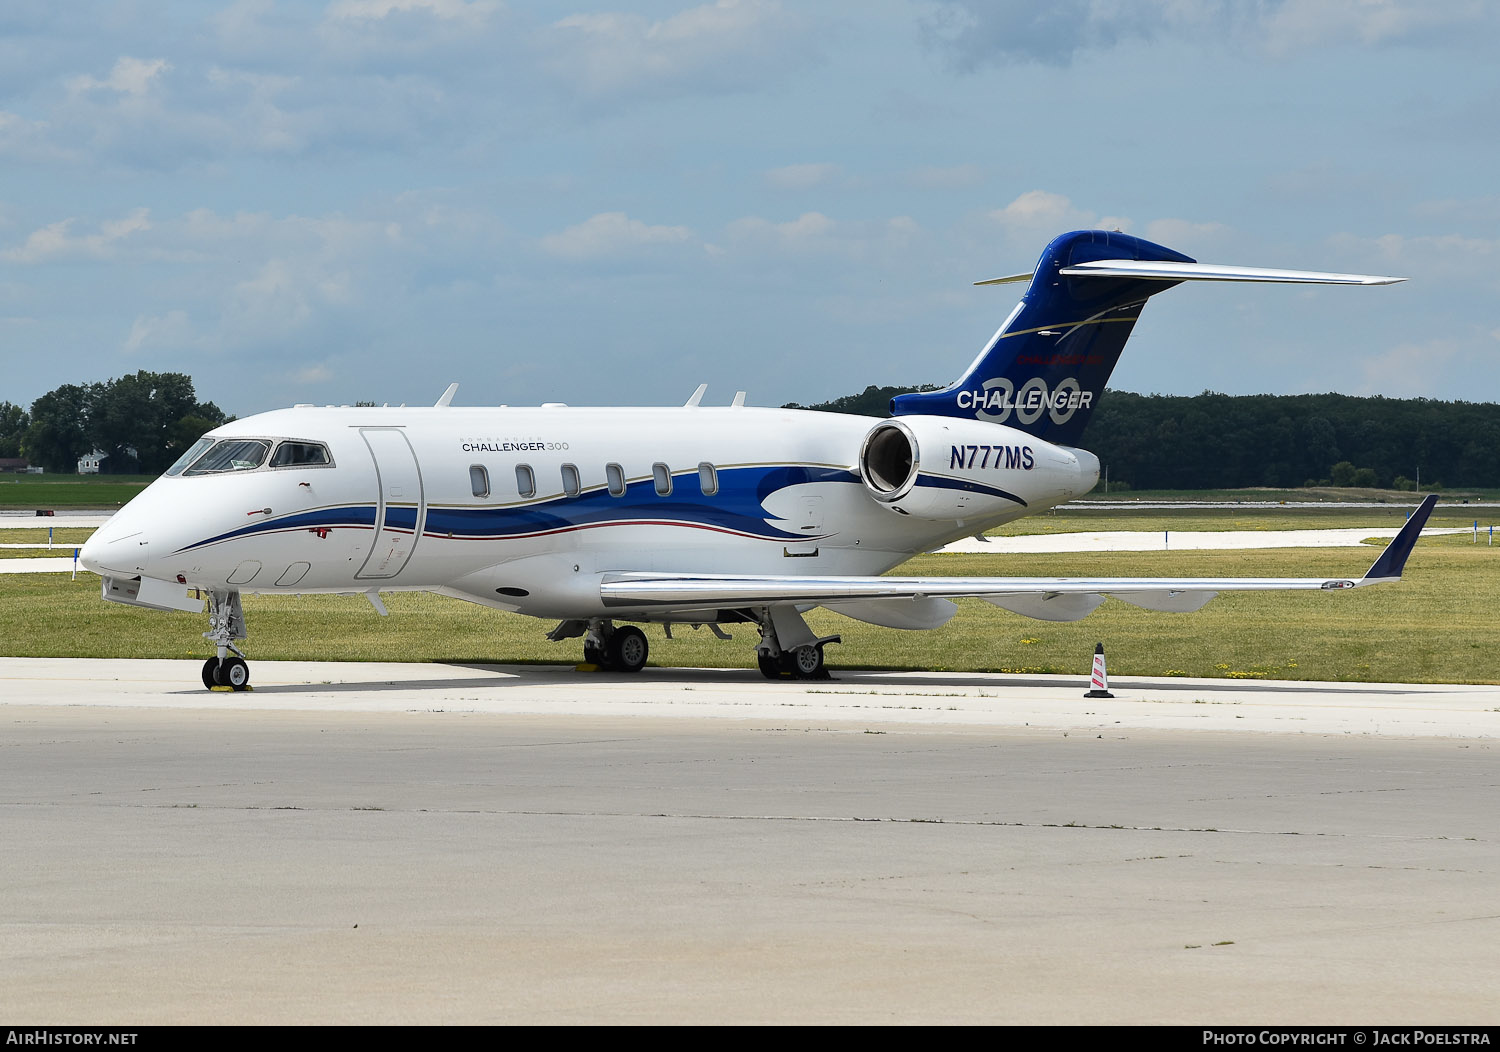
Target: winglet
x: 1393, y: 560
x: 696, y: 397
x: 447, y: 398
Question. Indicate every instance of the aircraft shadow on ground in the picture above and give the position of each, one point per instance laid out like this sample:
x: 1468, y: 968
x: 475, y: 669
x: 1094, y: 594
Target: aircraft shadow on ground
x: 503, y: 676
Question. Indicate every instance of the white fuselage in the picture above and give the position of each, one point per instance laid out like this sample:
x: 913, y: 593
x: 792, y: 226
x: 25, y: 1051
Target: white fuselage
x: 526, y: 508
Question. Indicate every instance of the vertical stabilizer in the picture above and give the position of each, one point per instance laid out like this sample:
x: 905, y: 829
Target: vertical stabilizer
x: 1046, y: 368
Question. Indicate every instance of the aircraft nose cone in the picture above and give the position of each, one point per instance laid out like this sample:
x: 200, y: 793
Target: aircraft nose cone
x: 125, y: 554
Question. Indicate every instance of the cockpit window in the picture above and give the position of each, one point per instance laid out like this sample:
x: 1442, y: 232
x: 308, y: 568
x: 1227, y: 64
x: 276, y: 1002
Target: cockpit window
x: 300, y: 454
x: 190, y: 456
x: 231, y: 454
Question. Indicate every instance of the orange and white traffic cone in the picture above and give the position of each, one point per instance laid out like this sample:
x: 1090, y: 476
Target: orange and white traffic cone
x: 1100, y: 679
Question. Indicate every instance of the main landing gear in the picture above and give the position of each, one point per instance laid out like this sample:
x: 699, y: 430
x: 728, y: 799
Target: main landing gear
x: 805, y: 662
x: 226, y: 624
x: 788, y: 647
x: 623, y: 649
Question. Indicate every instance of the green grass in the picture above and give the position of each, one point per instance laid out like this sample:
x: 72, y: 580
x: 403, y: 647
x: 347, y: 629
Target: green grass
x: 1072, y: 520
x: 63, y: 542
x: 1437, y: 625
x: 69, y: 491
x: 1310, y: 493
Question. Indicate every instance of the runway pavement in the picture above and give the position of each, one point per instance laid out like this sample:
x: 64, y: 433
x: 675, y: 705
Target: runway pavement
x: 939, y: 699
x: 397, y: 843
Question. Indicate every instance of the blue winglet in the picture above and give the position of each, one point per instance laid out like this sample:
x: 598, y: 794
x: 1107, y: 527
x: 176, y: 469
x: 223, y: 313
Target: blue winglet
x: 1393, y: 560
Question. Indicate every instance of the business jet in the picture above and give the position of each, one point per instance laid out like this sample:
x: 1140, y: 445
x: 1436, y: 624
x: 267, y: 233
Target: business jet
x: 602, y: 519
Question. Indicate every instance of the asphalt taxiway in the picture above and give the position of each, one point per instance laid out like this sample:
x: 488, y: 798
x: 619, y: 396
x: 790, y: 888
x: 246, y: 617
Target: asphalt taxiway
x: 398, y: 843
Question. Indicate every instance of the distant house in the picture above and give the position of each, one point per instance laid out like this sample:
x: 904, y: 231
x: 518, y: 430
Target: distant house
x: 88, y: 464
x: 14, y: 464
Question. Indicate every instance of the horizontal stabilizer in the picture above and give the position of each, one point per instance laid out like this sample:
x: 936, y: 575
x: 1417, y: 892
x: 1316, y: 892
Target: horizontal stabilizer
x: 1166, y: 270
x: 1008, y: 279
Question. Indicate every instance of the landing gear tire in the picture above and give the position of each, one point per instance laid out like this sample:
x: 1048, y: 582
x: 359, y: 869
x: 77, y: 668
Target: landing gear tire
x: 627, y: 650
x: 231, y: 672
x: 770, y: 667
x: 593, y: 655
x: 234, y: 672
x: 807, y: 662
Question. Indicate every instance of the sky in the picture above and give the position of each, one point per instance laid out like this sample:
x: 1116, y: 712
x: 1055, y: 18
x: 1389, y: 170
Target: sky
x: 610, y: 203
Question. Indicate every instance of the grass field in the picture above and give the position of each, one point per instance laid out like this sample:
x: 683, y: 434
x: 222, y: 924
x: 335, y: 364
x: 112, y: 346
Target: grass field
x: 64, y: 540
x: 1073, y: 519
x: 1308, y: 493
x: 1438, y: 625
x: 27, y: 492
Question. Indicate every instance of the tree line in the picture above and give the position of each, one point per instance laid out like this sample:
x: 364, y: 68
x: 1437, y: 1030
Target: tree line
x: 146, y: 420
x: 1213, y: 441
x: 143, y: 422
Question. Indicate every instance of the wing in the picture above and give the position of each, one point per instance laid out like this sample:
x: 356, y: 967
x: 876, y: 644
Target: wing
x: 1045, y: 598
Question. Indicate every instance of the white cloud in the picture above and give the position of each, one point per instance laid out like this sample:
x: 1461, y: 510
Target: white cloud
x: 723, y: 46
x: 814, y: 232
x: 807, y: 229
x: 471, y: 10
x: 130, y: 76
x: 975, y: 33
x: 1300, y: 24
x: 1051, y: 214
x: 1184, y: 235
x: 801, y: 176
x: 55, y: 241
x: 1447, y: 256
x: 172, y: 330
x: 313, y: 374
x: 611, y: 234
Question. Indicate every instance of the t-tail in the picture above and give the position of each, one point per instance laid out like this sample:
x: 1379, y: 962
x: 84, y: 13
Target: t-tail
x: 1045, y: 370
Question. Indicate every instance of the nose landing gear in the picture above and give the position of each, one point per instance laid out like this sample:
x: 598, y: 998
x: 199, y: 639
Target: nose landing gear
x: 231, y: 672
x: 226, y: 624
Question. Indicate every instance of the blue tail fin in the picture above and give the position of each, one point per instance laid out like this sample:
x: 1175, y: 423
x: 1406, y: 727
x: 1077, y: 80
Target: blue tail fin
x: 1046, y: 368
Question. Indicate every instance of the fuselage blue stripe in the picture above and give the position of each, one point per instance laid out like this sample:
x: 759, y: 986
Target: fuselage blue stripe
x: 737, y: 507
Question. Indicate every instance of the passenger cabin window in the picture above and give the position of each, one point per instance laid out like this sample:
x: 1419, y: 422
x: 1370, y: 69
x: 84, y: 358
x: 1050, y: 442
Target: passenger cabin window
x: 616, y: 477
x: 662, y: 475
x: 300, y: 454
x: 708, y: 479
x: 479, y: 480
x: 570, y: 480
x: 231, y: 454
x: 525, y: 480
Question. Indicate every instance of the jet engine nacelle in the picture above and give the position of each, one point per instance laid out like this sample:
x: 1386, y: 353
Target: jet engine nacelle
x: 935, y: 467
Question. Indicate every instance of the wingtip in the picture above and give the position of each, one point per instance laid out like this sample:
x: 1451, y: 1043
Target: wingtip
x: 1393, y: 560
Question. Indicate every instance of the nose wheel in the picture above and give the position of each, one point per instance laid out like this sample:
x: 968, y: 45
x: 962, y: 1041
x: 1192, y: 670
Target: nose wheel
x: 231, y: 672
x: 226, y: 624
